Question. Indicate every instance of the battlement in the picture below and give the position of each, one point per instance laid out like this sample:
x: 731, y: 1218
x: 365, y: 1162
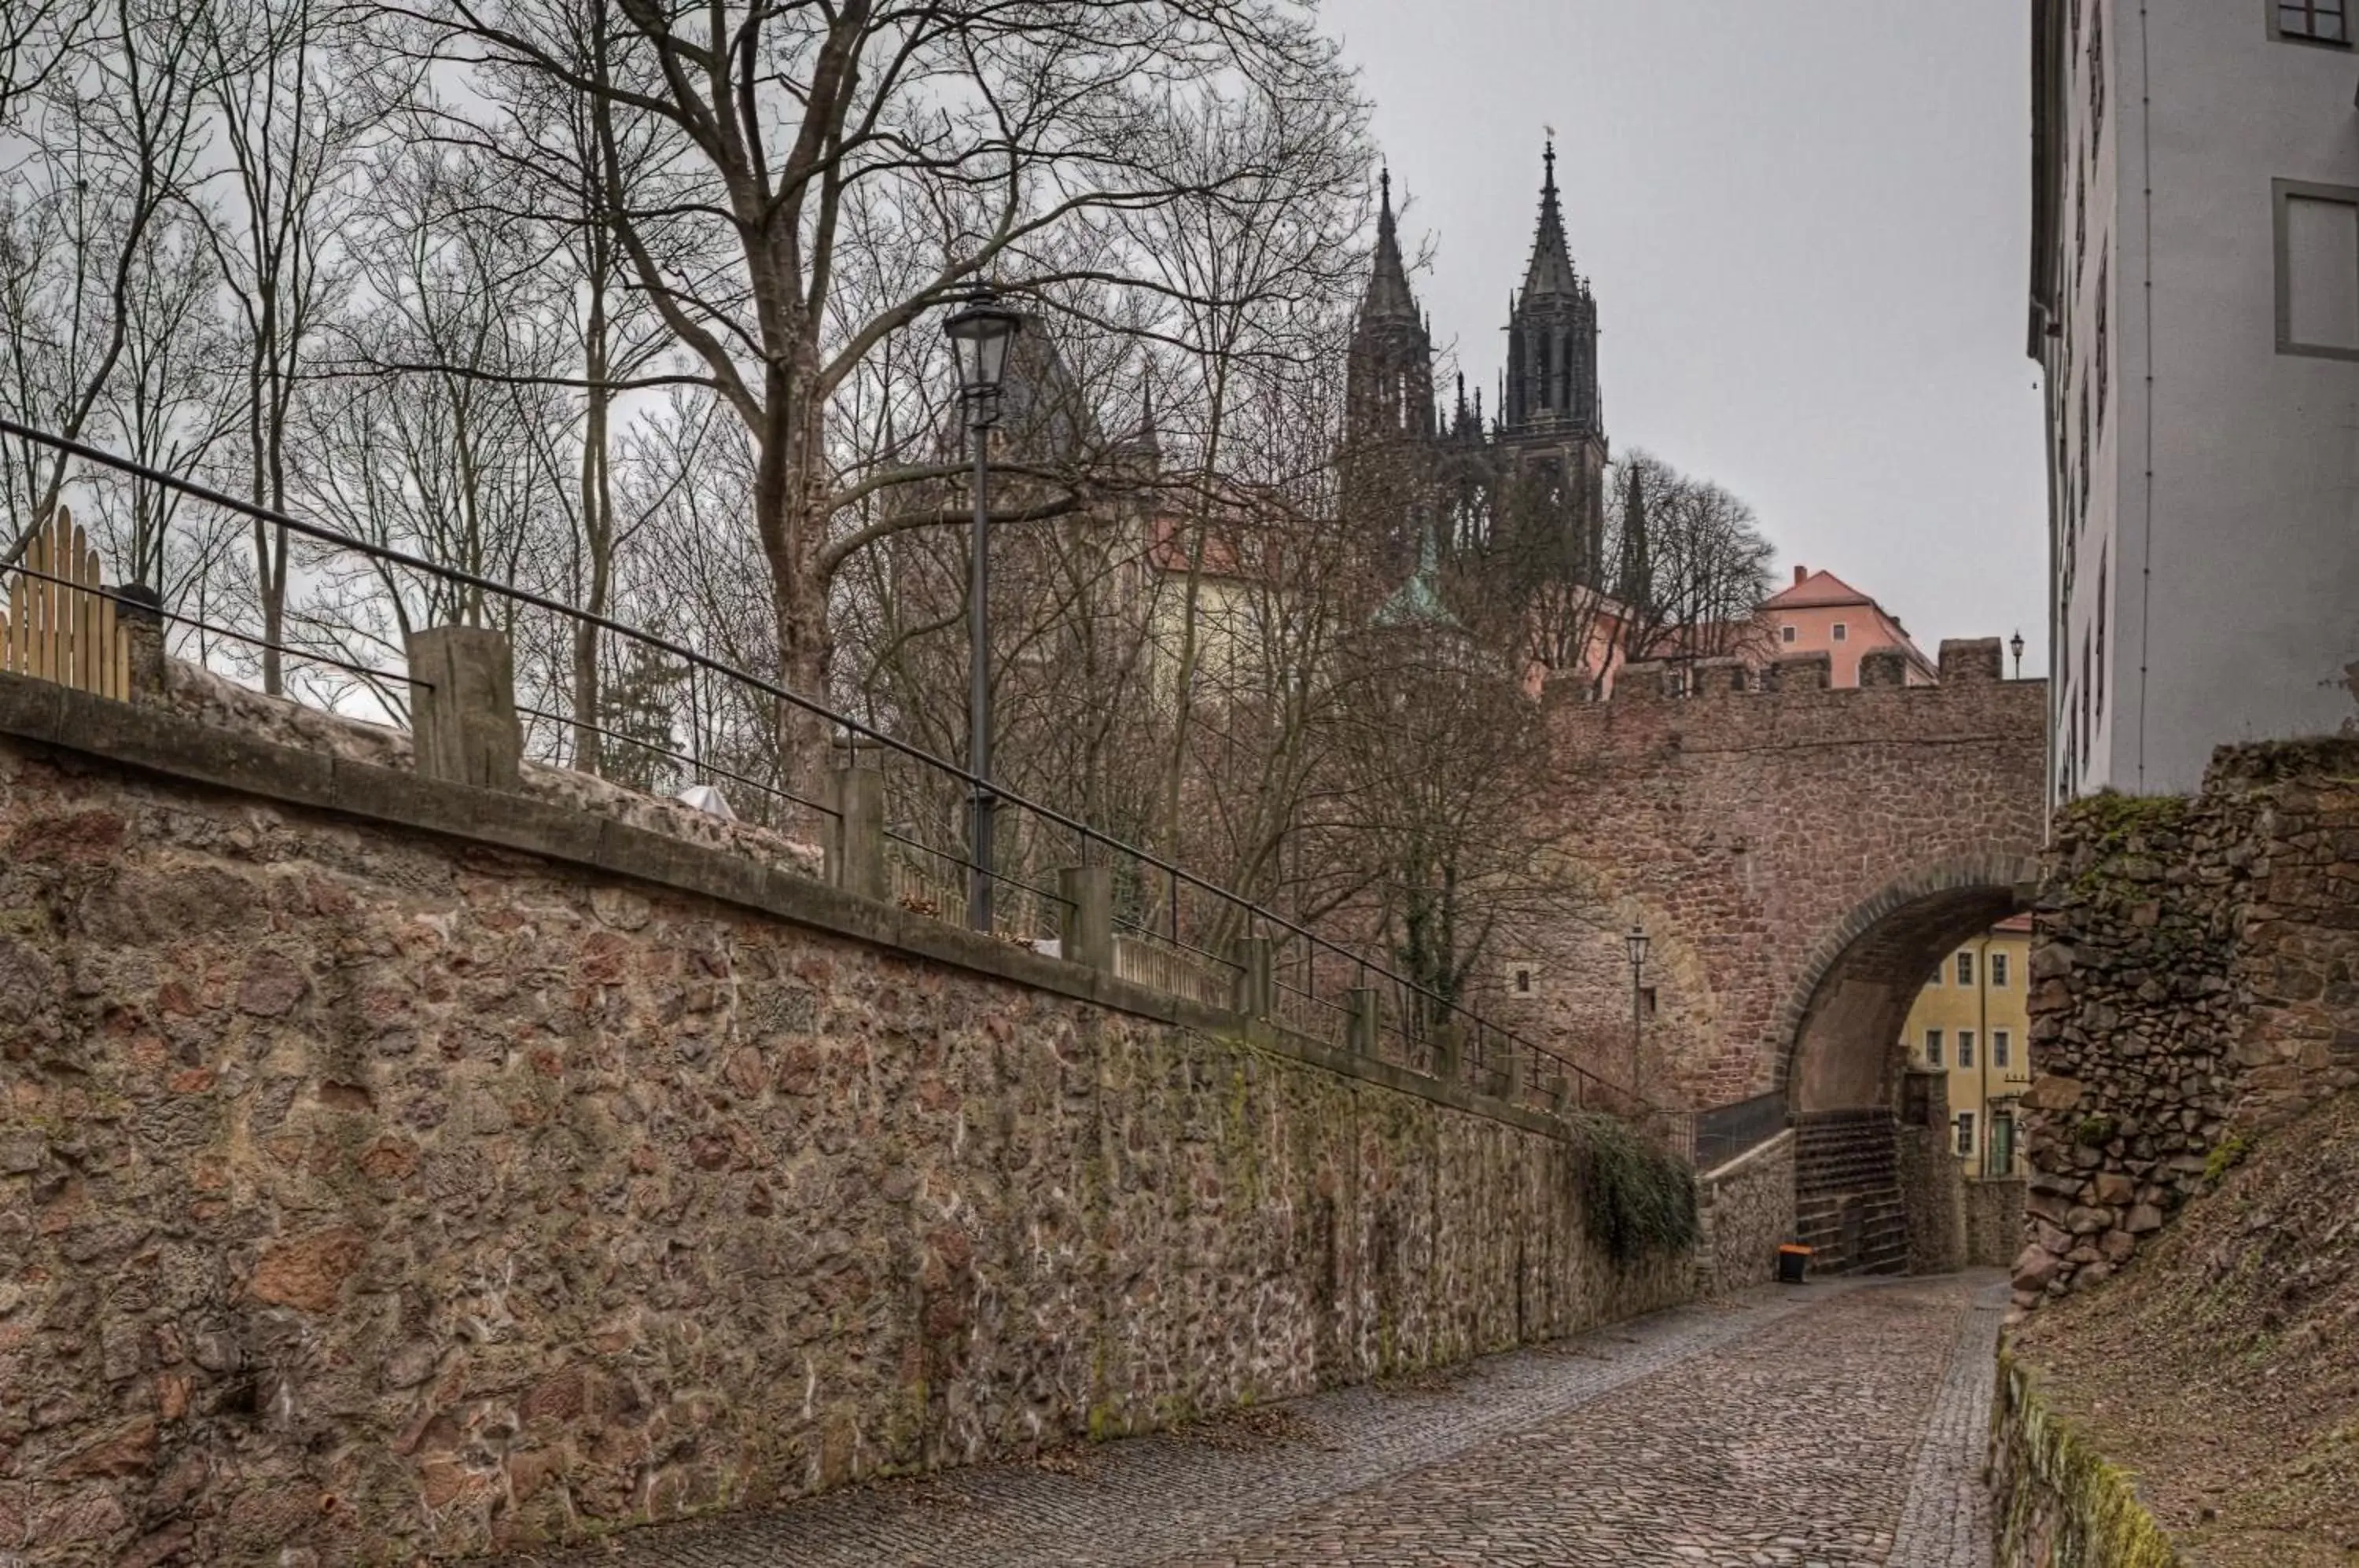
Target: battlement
x: 1964, y: 661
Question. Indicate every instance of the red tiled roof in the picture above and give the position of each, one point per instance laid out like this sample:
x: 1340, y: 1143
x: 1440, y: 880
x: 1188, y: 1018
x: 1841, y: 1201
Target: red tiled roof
x: 1817, y: 588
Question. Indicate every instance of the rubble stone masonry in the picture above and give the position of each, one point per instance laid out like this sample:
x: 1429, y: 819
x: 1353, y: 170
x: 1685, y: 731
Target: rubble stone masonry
x: 2196, y: 983
x: 370, y: 1193
x: 1756, y: 834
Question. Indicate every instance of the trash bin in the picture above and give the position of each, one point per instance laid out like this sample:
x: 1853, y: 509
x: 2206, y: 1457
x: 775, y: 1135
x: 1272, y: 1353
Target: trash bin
x: 1792, y: 1261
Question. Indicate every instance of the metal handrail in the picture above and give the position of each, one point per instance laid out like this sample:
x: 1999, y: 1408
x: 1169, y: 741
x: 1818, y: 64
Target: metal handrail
x: 1174, y: 873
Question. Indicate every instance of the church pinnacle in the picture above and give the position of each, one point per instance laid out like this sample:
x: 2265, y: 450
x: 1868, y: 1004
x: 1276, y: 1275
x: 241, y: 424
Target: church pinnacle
x: 1550, y: 272
x: 1389, y: 296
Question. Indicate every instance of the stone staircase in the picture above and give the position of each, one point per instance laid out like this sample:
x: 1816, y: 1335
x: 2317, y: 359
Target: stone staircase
x: 1847, y: 1205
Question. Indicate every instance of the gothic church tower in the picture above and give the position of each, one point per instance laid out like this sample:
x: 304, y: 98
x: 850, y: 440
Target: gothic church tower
x: 1524, y: 494
x: 1389, y: 402
x: 1551, y: 434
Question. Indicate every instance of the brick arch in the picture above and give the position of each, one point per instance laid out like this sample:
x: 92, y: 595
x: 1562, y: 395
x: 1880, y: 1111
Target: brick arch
x: 1837, y: 1030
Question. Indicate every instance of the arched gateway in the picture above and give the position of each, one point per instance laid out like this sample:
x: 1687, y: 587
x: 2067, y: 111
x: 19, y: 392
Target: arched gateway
x: 1802, y: 857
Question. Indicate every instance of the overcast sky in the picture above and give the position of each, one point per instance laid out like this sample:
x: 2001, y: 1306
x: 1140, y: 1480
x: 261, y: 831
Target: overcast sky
x: 1806, y: 222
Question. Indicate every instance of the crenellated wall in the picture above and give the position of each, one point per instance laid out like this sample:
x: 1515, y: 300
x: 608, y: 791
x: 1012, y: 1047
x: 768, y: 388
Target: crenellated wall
x: 1801, y: 856
x: 392, y: 1167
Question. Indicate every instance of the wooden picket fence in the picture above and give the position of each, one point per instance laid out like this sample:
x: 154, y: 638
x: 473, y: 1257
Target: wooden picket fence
x: 58, y: 627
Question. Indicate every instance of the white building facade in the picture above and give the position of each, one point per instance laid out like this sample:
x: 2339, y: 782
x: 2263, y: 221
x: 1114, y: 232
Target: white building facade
x: 2195, y: 307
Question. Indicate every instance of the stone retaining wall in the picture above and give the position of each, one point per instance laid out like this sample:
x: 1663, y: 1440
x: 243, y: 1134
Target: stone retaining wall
x: 1994, y: 1221
x: 2195, y: 978
x: 2059, y: 1505
x: 1747, y: 1210
x: 368, y: 1191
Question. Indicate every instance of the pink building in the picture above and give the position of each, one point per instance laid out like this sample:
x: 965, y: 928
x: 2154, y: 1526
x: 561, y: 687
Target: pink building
x: 1823, y: 614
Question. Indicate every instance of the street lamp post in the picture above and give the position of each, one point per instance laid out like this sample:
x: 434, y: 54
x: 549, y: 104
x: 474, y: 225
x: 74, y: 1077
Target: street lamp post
x: 1636, y: 942
x: 2014, y: 646
x: 980, y: 332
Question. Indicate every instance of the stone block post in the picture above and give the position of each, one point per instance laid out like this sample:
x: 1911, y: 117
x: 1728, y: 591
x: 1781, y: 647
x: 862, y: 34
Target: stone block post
x: 1362, y: 1032
x: 139, y: 611
x: 1802, y: 672
x: 1088, y: 935
x: 1254, y: 994
x: 463, y: 715
x: 1510, y: 1068
x: 855, y: 833
x: 1449, y: 1052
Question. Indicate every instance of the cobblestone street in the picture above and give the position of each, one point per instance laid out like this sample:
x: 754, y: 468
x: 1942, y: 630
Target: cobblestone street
x: 1839, y: 1423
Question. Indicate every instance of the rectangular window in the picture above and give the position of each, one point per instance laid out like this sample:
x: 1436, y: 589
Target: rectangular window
x: 1932, y: 1047
x: 1785, y: 634
x: 2001, y: 1049
x: 1965, y: 968
x: 1839, y: 631
x: 2312, y: 21
x: 1998, y: 971
x: 1965, y: 1132
x: 2317, y: 269
x: 1965, y: 1047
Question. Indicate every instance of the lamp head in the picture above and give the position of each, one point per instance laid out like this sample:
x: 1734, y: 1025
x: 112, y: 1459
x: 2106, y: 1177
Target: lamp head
x: 980, y: 331
x: 1637, y: 943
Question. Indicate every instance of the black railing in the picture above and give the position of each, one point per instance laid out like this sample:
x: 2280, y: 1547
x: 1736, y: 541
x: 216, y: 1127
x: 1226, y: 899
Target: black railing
x: 1312, y: 978
x: 1724, y: 1132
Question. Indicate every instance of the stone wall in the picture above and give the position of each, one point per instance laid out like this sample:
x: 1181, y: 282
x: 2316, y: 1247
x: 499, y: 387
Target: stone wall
x: 1932, y: 1189
x: 1994, y: 1221
x: 2196, y: 978
x: 1758, y: 835
x: 2059, y: 1504
x: 1747, y: 1210
x: 392, y: 1168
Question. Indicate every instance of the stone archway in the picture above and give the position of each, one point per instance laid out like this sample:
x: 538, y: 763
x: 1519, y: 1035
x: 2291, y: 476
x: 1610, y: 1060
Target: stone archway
x: 1874, y: 1186
x: 1839, y: 1028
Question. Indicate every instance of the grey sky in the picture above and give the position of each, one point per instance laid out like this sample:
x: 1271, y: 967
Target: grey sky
x: 1806, y: 224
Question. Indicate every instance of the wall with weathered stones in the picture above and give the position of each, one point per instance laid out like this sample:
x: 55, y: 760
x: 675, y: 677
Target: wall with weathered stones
x: 1746, y: 1207
x: 1932, y: 1190
x: 1790, y: 851
x: 1994, y: 1221
x: 2196, y: 977
x: 389, y: 1167
x: 2059, y: 1504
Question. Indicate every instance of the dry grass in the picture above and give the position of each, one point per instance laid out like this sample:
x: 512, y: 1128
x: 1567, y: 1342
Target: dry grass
x: 2223, y: 1366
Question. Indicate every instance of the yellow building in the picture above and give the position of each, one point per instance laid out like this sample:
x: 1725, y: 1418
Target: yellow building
x: 1970, y: 1021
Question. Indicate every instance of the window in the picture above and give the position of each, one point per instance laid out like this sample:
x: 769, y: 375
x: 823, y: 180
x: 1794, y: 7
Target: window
x: 1965, y: 1047
x: 1839, y: 631
x: 1965, y: 1132
x: 1785, y: 634
x: 1523, y: 976
x: 2000, y: 1048
x: 2313, y: 21
x: 1965, y: 968
x: 2317, y: 269
x: 1646, y: 1001
x: 1998, y: 971
x: 1932, y: 1047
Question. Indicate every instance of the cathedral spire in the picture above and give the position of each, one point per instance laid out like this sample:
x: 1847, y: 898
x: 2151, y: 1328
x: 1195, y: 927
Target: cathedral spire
x: 1550, y: 272
x: 1388, y: 297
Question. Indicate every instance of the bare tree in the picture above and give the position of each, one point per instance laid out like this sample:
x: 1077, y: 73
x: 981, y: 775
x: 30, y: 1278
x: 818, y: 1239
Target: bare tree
x: 1693, y: 565
x: 111, y: 126
x: 989, y: 141
x: 292, y: 122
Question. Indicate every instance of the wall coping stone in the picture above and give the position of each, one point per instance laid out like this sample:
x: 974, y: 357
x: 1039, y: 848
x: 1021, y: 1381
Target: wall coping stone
x: 156, y: 741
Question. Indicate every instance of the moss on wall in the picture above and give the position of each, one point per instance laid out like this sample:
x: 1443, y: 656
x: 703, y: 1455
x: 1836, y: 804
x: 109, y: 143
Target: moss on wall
x: 2062, y: 1504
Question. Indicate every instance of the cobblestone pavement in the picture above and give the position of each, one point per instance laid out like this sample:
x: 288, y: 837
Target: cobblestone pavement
x: 1836, y: 1424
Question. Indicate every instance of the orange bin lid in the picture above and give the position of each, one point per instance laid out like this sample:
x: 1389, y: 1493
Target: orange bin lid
x: 1789, y: 1246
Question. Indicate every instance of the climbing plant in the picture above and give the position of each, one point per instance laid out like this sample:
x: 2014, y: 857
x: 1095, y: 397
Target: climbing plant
x: 1639, y: 1199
